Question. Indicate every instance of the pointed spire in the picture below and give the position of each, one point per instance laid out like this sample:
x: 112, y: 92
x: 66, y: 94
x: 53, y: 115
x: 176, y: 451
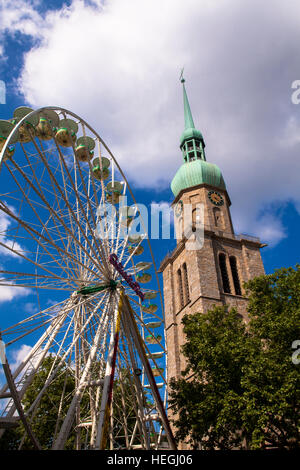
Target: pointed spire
x: 188, y: 118
x: 191, y: 141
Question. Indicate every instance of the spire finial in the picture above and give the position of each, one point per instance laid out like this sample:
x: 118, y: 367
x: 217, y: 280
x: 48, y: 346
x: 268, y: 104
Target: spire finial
x: 188, y: 118
x: 181, y: 76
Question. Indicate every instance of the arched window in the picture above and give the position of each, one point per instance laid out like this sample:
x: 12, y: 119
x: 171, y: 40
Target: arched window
x: 180, y: 288
x: 235, y: 275
x: 194, y: 219
x: 217, y: 217
x: 186, y: 283
x: 224, y: 273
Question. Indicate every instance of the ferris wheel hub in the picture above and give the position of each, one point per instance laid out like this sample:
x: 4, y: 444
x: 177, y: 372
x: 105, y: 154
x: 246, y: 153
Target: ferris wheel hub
x: 88, y: 290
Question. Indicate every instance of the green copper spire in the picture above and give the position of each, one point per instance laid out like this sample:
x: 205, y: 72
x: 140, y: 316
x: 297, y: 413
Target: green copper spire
x: 195, y: 170
x: 188, y: 118
x: 191, y: 142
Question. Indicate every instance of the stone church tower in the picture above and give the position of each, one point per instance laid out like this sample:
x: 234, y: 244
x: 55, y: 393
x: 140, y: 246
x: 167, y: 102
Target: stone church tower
x: 196, y: 280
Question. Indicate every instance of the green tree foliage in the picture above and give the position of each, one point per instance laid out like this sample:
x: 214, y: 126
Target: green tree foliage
x: 124, y: 415
x: 58, y: 397
x: 240, y: 388
x: 44, y: 421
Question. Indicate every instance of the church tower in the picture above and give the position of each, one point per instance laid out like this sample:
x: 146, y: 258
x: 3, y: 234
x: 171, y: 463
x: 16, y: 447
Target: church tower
x: 196, y: 280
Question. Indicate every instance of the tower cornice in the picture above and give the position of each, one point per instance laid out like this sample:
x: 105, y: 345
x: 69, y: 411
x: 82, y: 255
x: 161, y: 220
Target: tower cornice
x: 198, y: 186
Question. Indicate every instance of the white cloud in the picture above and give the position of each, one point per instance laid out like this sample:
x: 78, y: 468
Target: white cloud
x: 8, y: 293
x: 271, y: 229
x: 118, y: 68
x: 18, y: 356
x: 20, y: 16
x: 30, y: 307
x: 5, y: 223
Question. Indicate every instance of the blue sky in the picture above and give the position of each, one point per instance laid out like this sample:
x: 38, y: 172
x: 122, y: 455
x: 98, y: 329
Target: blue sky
x: 117, y: 64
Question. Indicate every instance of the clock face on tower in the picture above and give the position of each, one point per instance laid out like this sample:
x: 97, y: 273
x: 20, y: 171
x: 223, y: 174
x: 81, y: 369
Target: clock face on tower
x: 178, y: 208
x: 216, y: 198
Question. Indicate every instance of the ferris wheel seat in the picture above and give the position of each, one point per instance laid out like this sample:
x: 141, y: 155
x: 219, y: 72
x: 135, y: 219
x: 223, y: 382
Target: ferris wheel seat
x: 104, y: 162
x: 5, y: 129
x: 157, y: 371
x: 114, y: 197
x: 143, y: 277
x: 66, y: 133
x: 25, y: 132
x: 135, y: 239
x: 153, y: 324
x: 144, y: 265
x: 100, y: 175
x: 65, y: 138
x: 27, y: 129
x: 116, y: 187
x: 83, y: 153
x: 22, y: 111
x: 44, y: 130
x: 136, y: 251
x: 152, y: 339
x: 150, y: 294
x: 151, y: 308
x: 9, y: 152
x: 50, y: 116
x: 155, y: 355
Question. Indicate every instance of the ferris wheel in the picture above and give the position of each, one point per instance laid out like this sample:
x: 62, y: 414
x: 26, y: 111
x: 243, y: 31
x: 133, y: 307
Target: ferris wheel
x: 71, y: 235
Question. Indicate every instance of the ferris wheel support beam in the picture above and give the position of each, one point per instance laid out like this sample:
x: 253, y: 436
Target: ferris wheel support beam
x: 18, y: 405
x: 128, y: 315
x: 50, y: 333
x: 105, y: 410
x: 68, y: 421
x: 52, y: 373
x: 139, y: 390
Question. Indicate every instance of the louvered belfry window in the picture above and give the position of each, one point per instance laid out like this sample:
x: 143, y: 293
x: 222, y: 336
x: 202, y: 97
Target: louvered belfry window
x: 180, y: 288
x: 186, y: 283
x: 235, y: 275
x: 224, y: 273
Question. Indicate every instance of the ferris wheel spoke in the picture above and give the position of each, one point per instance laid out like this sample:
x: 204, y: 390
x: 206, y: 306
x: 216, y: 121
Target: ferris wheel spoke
x: 62, y: 160
x: 33, y: 275
x: 17, y: 253
x: 34, y: 232
x: 54, y: 213
x: 67, y: 353
x: 139, y: 317
x: 30, y: 229
x: 105, y: 240
x: 138, y: 387
x: 34, y: 286
x: 58, y: 200
x: 39, y: 186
